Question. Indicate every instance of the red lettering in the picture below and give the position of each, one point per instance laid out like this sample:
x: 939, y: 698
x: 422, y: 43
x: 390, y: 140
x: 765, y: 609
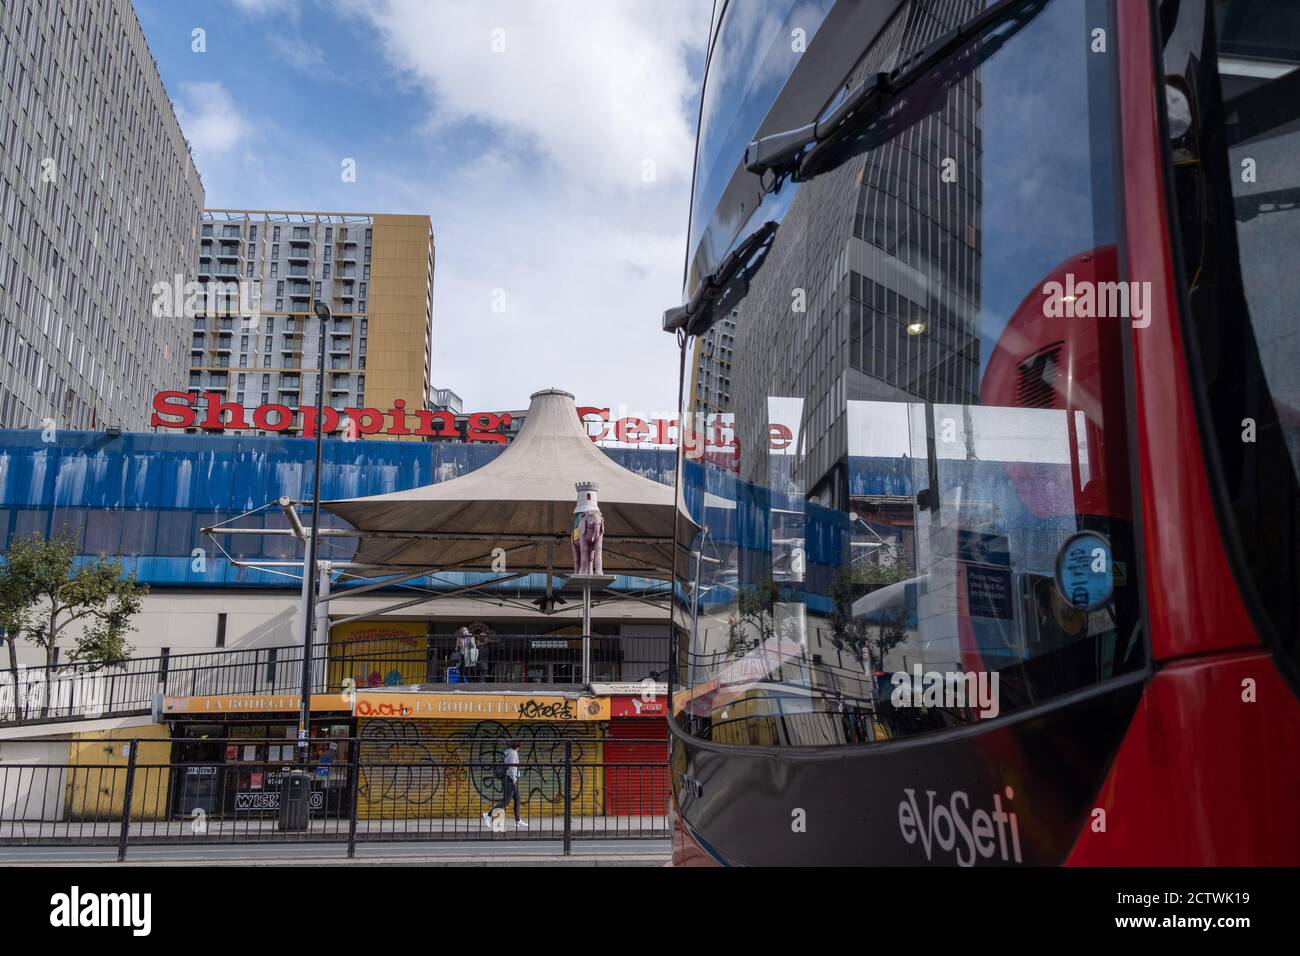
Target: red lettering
x: 283, y: 413
x: 482, y: 426
x: 367, y: 420
x: 662, y: 431
x: 309, y: 420
x: 692, y: 442
x: 718, y: 439
x: 448, y: 420
x: 399, y: 418
x: 631, y: 430
x: 180, y: 404
x: 779, y: 436
x: 601, y: 413
x: 217, y: 409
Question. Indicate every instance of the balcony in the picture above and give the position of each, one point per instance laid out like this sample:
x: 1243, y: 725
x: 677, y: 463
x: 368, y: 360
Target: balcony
x: 502, y: 659
x: 299, y: 255
x: 228, y: 251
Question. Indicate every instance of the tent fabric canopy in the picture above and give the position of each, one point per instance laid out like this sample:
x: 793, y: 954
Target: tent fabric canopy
x: 522, y: 502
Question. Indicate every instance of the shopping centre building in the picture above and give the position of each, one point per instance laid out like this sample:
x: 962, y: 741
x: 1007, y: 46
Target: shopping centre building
x: 215, y: 672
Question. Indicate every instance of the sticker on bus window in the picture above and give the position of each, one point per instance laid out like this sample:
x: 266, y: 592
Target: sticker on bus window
x: 1084, y: 572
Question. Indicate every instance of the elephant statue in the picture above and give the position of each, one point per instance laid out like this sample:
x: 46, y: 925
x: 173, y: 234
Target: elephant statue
x: 588, y: 531
x: 588, y: 541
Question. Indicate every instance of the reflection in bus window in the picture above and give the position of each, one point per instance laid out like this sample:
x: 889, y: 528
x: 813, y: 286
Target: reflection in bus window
x: 909, y: 454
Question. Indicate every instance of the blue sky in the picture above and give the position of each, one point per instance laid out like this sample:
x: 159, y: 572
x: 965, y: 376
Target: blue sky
x: 550, y: 142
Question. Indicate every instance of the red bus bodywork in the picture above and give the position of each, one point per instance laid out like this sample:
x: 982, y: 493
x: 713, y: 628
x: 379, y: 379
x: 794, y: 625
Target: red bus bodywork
x: 1206, y: 773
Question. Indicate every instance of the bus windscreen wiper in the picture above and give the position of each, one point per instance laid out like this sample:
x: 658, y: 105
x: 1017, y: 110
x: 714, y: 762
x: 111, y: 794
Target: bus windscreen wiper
x: 808, y: 151
x: 723, y: 288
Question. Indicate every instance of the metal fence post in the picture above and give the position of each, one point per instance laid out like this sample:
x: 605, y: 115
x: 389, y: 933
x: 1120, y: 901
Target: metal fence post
x: 354, y: 786
x: 568, y: 796
x: 126, y: 800
x: 164, y: 662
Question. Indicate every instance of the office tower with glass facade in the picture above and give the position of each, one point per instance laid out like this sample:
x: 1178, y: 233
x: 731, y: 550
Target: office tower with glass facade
x: 99, y: 205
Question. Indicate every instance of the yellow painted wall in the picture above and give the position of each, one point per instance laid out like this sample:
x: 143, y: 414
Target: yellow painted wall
x: 398, y: 309
x: 393, y: 650
x: 429, y: 780
x: 97, y: 775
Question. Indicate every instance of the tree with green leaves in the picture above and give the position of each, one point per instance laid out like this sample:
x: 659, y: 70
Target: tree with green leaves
x: 44, y: 590
x: 754, y: 623
x: 869, y: 639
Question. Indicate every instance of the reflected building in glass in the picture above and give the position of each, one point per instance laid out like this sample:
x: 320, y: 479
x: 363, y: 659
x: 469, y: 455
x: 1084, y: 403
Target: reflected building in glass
x: 871, y: 288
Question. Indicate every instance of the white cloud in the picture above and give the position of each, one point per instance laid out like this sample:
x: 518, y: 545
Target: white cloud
x: 210, y: 119
x: 263, y: 7
x: 598, y: 88
x: 547, y: 200
x: 297, y: 52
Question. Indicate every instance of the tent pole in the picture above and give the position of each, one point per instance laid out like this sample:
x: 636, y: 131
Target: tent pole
x: 586, y: 632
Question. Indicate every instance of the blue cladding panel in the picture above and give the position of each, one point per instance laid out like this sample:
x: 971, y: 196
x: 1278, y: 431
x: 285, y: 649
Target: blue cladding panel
x: 144, y: 497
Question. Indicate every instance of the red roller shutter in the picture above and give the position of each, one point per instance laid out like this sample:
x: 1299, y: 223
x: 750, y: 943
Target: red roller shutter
x: 641, y: 789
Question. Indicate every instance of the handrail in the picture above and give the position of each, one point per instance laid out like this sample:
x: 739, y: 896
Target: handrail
x: 73, y: 691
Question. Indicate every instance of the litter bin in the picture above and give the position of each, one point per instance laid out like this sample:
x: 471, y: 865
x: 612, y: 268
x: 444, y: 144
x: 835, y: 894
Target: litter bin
x: 295, y: 791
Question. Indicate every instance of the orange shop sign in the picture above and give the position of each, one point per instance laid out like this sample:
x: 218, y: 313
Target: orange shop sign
x: 250, y: 703
x: 479, y: 706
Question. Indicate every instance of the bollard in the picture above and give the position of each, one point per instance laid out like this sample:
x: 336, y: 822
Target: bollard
x: 568, y: 796
x: 126, y: 800
x: 354, y: 787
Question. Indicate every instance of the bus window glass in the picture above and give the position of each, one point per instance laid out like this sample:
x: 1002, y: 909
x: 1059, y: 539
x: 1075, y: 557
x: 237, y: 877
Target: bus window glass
x: 910, y: 459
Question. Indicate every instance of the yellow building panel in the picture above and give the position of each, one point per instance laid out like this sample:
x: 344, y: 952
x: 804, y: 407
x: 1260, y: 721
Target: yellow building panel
x: 97, y: 775
x: 398, y: 311
x: 378, y: 653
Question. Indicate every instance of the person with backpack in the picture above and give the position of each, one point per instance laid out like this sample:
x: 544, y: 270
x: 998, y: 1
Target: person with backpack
x: 466, y: 649
x: 508, y: 773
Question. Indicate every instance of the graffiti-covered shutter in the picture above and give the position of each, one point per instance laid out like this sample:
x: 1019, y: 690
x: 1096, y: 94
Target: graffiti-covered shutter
x: 443, y: 768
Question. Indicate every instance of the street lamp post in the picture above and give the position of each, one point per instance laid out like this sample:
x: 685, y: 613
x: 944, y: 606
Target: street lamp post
x: 322, y: 311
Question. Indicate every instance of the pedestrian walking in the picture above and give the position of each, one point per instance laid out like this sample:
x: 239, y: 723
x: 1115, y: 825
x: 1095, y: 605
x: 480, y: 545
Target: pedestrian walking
x: 509, y: 773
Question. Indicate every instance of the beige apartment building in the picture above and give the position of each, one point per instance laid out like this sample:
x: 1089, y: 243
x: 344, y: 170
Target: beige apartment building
x: 374, y: 271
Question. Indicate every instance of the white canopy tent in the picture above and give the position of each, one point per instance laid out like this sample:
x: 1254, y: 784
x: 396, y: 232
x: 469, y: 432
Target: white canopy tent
x: 516, y: 511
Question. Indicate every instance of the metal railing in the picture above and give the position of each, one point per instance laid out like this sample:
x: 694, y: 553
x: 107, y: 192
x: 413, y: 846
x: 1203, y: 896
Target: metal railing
x: 126, y: 791
x: 79, y: 692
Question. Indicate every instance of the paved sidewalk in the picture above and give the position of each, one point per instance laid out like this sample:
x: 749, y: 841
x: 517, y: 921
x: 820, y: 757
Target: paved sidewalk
x: 465, y: 853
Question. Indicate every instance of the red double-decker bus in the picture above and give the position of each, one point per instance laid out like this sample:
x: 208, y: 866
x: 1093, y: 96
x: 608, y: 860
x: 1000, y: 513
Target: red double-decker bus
x: 1024, y: 588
